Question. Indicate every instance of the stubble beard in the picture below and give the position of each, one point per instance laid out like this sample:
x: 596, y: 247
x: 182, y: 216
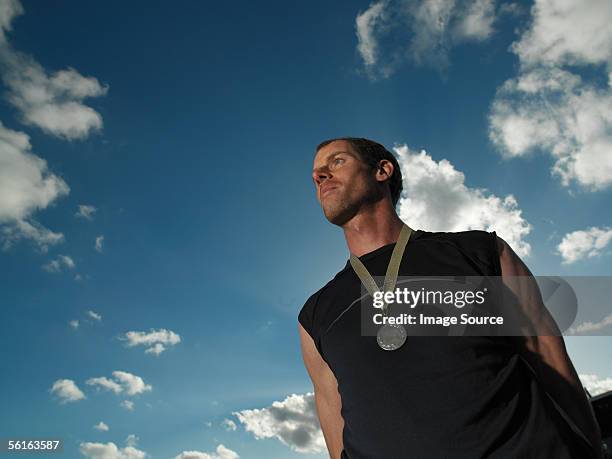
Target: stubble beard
x: 340, y: 208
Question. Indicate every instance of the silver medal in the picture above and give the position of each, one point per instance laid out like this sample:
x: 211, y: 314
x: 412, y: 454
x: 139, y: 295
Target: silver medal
x: 391, y: 337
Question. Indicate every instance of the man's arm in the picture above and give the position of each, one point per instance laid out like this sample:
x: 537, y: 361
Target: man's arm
x: 547, y: 355
x: 326, y: 393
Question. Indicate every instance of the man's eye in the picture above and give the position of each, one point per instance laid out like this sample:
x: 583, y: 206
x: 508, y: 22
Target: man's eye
x: 337, y: 161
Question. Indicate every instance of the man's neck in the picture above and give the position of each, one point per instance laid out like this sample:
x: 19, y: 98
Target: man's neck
x: 372, y: 228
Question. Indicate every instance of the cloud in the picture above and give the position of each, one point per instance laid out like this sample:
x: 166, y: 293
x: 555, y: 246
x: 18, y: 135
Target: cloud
x: 293, y: 421
x: 423, y: 31
x: 582, y: 244
x: 94, y: 315
x: 228, y: 425
x: 99, y: 241
x: 132, y: 384
x: 110, y: 451
x: 51, y: 102
x: 594, y: 384
x: 154, y: 338
x: 366, y: 23
x: 123, y: 382
x: 67, y: 391
x: 221, y: 453
x: 131, y: 440
x: 26, y: 186
x: 555, y: 111
x: 55, y: 266
x: 128, y: 405
x: 512, y: 9
x: 156, y: 349
x: 590, y: 327
x: 9, y: 10
x: 85, y: 211
x: 91, y: 314
x: 476, y: 20
x: 549, y: 106
x: 562, y: 32
x: 436, y: 197
x: 102, y: 427
x: 105, y: 383
x: 28, y: 229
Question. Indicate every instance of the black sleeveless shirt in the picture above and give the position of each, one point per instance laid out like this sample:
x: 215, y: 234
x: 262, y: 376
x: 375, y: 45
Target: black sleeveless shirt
x: 445, y: 397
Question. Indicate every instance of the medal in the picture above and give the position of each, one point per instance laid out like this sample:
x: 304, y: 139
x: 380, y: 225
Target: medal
x: 389, y: 337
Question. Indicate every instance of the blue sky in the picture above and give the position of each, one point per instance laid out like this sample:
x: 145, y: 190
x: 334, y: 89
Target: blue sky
x: 155, y: 179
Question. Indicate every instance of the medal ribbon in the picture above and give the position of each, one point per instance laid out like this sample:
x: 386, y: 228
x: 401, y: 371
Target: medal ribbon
x: 392, y: 269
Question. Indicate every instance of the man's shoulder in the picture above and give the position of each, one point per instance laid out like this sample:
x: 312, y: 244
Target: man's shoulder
x: 477, y: 244
x: 313, y: 298
x: 307, y: 313
x: 472, y: 235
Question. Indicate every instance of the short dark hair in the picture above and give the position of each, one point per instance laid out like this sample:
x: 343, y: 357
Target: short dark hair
x: 371, y: 153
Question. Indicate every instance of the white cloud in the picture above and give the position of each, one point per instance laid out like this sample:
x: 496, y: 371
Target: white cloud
x: 229, y: 425
x: 67, y: 391
x: 435, y: 198
x: 91, y: 314
x: 131, y: 440
x: 123, y: 382
x: 110, y: 451
x: 293, y: 421
x: 156, y: 339
x: 424, y: 30
x: 52, y: 102
x: 26, y: 186
x: 366, y: 23
x: 431, y: 21
x: 85, y: 211
x: 550, y: 107
x: 565, y: 32
x: 476, y: 20
x: 582, y: 244
x: 512, y: 9
x: 99, y: 241
x: 594, y: 384
x: 553, y: 110
x: 132, y: 384
x: 128, y: 405
x: 156, y: 349
x: 94, y: 315
x: 221, y: 453
x: 9, y: 10
x: 31, y: 230
x: 105, y: 383
x: 55, y: 266
x: 590, y: 327
x: 102, y: 427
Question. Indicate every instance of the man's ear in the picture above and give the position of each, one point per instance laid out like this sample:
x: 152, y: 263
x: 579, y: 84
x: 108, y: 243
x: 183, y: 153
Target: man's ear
x: 384, y: 171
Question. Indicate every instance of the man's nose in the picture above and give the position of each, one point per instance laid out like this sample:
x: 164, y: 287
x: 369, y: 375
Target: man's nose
x: 320, y: 176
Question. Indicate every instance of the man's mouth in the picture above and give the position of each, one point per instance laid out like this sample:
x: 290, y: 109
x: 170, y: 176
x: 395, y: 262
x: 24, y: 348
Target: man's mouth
x: 327, y: 189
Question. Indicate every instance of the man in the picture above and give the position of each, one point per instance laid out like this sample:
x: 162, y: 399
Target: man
x: 436, y: 396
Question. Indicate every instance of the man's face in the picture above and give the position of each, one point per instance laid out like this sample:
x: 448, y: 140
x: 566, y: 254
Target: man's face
x: 343, y: 182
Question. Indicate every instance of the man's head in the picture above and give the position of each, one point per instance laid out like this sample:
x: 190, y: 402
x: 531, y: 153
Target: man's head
x: 350, y: 172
